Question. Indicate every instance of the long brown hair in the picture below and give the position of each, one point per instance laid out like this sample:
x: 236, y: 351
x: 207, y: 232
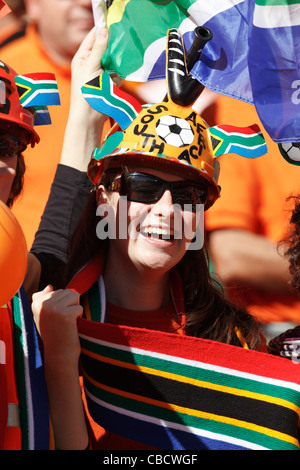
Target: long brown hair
x: 208, y: 314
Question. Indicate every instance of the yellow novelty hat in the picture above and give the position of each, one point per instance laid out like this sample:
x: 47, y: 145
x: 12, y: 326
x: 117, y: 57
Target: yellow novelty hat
x: 167, y: 134
x: 163, y: 135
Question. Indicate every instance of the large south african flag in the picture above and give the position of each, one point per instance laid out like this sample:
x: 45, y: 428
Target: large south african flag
x: 254, y: 54
x: 175, y: 392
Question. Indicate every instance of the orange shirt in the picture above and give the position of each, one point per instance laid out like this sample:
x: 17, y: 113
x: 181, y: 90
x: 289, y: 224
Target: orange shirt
x: 254, y: 197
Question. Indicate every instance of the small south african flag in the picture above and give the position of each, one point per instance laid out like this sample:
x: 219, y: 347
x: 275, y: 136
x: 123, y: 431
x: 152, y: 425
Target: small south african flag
x: 246, y: 141
x: 37, y: 89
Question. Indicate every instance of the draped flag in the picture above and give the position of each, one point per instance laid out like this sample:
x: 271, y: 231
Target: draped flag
x: 274, y: 67
x: 254, y: 54
x: 176, y: 392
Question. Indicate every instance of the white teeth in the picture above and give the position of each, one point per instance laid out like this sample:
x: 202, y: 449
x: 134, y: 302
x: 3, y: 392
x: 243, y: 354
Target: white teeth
x: 157, y: 231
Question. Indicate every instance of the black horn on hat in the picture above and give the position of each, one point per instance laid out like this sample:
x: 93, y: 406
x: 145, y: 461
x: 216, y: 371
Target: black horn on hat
x: 183, y: 89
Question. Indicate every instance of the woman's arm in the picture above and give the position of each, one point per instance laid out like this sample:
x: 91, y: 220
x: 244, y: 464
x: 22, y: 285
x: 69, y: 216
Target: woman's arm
x: 85, y: 125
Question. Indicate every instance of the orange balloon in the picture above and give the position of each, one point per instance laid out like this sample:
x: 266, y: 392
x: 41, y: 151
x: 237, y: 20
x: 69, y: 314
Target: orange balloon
x: 13, y: 255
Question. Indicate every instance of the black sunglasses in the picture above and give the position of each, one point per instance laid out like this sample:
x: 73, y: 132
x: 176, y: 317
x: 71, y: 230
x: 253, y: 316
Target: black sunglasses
x: 148, y: 189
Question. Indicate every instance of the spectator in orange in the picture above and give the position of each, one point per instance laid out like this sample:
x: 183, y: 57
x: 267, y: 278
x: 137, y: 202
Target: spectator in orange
x: 55, y: 31
x: 246, y: 223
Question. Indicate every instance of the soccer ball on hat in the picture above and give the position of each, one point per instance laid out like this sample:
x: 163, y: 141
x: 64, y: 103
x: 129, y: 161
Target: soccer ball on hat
x: 291, y: 152
x: 174, y: 131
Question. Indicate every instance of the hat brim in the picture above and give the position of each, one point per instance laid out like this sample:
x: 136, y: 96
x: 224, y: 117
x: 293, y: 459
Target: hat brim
x: 96, y: 169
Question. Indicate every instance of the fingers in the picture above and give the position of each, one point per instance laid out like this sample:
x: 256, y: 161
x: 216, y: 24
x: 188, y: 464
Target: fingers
x: 87, y: 43
x: 116, y: 79
x: 38, y: 296
x: 100, y: 44
x: 92, y: 47
x: 86, y: 63
x: 62, y: 304
x: 65, y: 297
x: 55, y: 315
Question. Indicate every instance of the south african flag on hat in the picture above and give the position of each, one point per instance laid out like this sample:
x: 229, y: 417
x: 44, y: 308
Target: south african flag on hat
x: 246, y: 141
x: 4, y: 9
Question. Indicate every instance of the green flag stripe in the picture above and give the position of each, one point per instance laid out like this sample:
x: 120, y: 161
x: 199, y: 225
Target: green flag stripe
x: 96, y: 302
x: 277, y: 2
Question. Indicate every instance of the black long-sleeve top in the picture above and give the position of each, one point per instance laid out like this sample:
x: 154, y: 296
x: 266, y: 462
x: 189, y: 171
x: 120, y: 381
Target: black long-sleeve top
x: 64, y: 207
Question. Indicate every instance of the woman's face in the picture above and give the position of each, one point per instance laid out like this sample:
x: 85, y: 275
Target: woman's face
x: 153, y: 235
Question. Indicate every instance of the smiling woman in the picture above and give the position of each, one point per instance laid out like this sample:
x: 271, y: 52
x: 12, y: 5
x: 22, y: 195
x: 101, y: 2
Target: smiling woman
x: 136, y: 266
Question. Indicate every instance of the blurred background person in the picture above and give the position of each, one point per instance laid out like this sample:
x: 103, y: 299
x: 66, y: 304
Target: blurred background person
x: 53, y: 35
x: 13, y: 25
